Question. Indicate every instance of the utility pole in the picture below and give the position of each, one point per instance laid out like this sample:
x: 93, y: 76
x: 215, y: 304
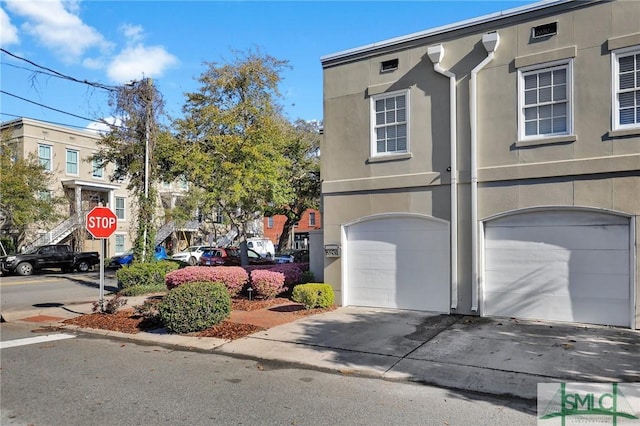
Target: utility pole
x: 147, y: 118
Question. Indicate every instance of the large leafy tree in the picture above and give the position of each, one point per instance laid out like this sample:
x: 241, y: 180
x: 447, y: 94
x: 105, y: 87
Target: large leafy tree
x: 232, y: 137
x: 25, y: 187
x: 302, y: 173
x: 131, y: 144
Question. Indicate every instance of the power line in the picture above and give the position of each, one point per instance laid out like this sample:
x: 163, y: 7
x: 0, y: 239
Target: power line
x: 45, y: 106
x: 45, y: 121
x: 55, y: 73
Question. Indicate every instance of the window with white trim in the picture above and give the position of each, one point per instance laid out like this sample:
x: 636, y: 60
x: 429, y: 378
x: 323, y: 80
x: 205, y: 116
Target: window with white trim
x: 72, y: 162
x: 119, y: 243
x: 545, y: 95
x: 270, y: 222
x: 390, y: 123
x: 97, y: 170
x: 120, y: 208
x: 312, y: 219
x: 626, y: 78
x: 44, y: 156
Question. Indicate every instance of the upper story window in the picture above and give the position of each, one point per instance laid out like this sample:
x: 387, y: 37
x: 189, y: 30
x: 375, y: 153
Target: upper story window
x: 44, y: 156
x: 270, y: 222
x: 626, y: 78
x: 312, y: 219
x: 72, y: 162
x: 97, y: 169
x: 390, y: 120
x: 120, y: 208
x: 545, y: 96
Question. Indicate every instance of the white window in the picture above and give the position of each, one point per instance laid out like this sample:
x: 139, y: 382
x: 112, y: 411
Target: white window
x: 626, y: 78
x: 183, y: 183
x: 545, y: 101
x: 45, y: 195
x: 44, y: 155
x: 389, y: 123
x: 312, y: 219
x: 72, y: 162
x: 120, y: 243
x: 270, y: 222
x: 97, y: 170
x: 120, y: 212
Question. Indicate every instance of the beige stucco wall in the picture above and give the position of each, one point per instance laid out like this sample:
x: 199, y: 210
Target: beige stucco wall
x: 597, y: 168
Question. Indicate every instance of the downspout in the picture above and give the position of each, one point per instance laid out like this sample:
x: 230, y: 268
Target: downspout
x: 490, y: 42
x: 436, y: 54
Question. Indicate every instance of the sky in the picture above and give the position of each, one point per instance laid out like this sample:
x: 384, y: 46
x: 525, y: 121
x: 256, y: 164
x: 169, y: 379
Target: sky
x: 114, y: 42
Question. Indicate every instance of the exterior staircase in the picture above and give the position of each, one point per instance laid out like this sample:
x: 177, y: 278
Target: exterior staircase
x: 166, y: 229
x: 57, y: 234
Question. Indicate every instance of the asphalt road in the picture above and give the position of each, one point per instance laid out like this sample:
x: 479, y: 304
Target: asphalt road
x: 51, y: 288
x: 88, y: 380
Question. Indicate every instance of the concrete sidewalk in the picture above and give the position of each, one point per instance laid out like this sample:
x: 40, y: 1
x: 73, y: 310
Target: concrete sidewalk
x: 495, y: 356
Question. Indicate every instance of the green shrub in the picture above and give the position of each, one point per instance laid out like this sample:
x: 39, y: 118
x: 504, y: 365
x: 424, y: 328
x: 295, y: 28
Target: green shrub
x: 307, y: 277
x: 195, y: 306
x: 144, y: 274
x: 314, y: 295
x: 138, y: 290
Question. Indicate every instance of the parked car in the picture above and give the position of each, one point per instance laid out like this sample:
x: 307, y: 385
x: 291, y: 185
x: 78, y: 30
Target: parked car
x: 230, y: 256
x: 49, y: 256
x: 125, y: 259
x: 191, y: 255
x: 292, y: 256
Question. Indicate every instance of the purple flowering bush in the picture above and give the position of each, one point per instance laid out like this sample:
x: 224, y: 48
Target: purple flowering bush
x: 292, y: 273
x: 233, y: 277
x: 267, y: 284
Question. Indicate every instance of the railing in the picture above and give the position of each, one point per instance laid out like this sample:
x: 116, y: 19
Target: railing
x: 57, y: 234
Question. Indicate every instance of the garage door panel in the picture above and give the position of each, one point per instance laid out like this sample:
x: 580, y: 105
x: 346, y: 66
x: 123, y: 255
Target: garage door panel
x: 398, y: 263
x: 571, y: 237
x: 574, y: 269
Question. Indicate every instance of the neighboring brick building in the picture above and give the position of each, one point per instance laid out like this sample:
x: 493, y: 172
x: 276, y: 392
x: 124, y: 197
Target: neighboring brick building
x: 311, y: 220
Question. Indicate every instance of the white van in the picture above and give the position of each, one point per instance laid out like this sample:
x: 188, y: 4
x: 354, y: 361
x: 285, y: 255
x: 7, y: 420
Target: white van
x: 263, y: 246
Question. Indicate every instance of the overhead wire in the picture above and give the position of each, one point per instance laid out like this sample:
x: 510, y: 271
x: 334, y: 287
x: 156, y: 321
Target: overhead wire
x: 59, y: 74
x: 52, y: 73
x: 46, y: 106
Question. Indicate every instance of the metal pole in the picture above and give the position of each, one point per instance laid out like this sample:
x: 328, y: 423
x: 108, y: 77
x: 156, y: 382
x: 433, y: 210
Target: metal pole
x: 102, y: 242
x: 146, y: 168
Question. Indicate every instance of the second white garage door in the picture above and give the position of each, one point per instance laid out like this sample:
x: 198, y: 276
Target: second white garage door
x: 562, y: 265
x: 398, y: 262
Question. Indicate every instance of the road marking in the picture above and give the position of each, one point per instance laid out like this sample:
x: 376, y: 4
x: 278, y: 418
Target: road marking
x: 4, y: 283
x: 35, y: 340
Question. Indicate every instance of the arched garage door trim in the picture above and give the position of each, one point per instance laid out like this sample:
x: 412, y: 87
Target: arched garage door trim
x: 396, y: 260
x: 562, y: 263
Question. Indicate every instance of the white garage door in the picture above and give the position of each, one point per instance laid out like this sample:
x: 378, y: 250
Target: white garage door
x: 398, y: 262
x: 558, y: 265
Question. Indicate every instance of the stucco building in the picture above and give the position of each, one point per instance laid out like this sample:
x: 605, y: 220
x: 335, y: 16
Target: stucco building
x: 489, y: 167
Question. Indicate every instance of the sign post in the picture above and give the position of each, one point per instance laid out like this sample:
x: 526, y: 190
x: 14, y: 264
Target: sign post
x: 101, y: 222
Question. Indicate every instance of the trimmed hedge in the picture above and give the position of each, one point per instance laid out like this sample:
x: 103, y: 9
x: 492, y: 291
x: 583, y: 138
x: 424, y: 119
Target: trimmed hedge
x: 267, y: 284
x: 144, y: 274
x: 314, y: 295
x: 195, y: 306
x: 233, y: 277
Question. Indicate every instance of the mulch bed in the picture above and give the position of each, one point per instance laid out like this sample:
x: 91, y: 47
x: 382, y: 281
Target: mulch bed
x: 127, y: 321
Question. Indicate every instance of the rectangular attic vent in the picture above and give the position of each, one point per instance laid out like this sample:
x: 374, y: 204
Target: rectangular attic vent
x: 546, y: 30
x: 387, y: 66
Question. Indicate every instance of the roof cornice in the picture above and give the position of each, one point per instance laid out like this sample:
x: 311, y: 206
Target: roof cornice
x: 390, y: 43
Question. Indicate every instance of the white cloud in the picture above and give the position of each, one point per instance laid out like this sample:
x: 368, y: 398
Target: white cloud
x: 8, y: 32
x: 55, y: 24
x: 102, y: 127
x: 136, y: 62
x: 133, y: 33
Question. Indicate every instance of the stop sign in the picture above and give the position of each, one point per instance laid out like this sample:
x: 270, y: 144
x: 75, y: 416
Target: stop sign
x: 101, y: 222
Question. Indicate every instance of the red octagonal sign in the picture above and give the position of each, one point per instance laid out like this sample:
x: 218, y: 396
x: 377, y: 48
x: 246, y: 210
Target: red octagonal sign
x: 101, y: 222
